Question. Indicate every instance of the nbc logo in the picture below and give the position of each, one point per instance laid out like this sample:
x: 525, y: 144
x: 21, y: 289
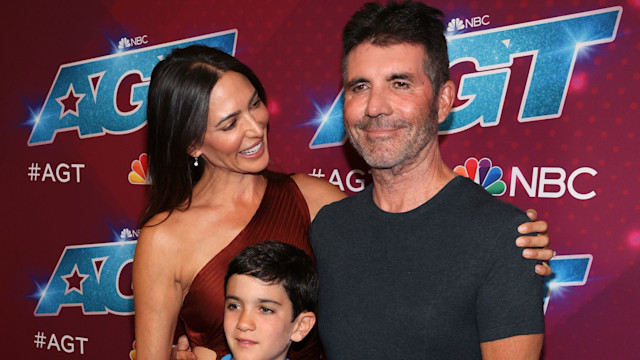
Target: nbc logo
x: 484, y: 173
x: 455, y: 25
x: 138, y: 173
x: 124, y: 43
x: 458, y: 24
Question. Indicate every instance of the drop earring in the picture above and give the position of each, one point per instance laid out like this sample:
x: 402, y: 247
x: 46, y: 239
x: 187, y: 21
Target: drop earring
x: 195, y: 161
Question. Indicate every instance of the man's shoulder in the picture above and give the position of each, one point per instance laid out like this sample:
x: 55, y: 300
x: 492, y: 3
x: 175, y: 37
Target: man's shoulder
x: 479, y: 198
x: 342, y: 212
x: 475, y: 205
x: 350, y: 202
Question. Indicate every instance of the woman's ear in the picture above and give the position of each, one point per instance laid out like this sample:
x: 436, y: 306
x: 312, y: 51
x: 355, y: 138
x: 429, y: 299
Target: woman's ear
x: 195, y: 152
x: 303, y: 325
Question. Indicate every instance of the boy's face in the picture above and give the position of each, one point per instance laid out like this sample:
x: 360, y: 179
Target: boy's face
x: 257, y: 319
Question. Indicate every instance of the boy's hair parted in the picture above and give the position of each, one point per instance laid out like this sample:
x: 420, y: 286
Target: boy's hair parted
x: 275, y: 262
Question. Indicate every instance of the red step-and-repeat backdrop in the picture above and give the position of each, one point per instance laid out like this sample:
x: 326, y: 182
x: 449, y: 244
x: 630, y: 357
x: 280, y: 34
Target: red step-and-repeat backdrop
x: 546, y: 118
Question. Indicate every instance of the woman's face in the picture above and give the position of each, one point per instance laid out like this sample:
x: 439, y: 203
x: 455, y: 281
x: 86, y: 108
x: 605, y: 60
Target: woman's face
x: 236, y: 135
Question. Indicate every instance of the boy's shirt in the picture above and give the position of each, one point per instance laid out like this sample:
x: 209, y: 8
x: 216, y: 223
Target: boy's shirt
x: 229, y: 357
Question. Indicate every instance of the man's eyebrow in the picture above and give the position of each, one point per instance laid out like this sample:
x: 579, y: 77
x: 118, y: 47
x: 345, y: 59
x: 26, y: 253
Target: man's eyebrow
x: 356, y: 81
x: 401, y: 76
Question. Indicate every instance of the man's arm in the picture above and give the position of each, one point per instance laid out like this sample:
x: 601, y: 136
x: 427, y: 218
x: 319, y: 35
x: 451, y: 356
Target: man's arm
x: 521, y: 347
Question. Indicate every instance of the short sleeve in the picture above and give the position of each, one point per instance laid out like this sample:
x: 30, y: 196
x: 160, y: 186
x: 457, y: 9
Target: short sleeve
x: 509, y: 302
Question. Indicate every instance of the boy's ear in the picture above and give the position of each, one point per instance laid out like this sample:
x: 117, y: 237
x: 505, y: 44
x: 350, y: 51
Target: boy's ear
x: 304, y: 324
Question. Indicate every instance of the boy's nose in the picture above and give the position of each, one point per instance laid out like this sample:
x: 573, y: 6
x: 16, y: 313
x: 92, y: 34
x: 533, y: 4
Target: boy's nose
x: 245, y: 322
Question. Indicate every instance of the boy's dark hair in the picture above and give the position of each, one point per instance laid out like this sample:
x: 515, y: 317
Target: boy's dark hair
x: 275, y: 262
x: 406, y: 22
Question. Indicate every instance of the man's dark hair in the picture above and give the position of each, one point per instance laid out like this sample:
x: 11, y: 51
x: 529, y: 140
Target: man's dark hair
x: 406, y: 22
x: 275, y: 262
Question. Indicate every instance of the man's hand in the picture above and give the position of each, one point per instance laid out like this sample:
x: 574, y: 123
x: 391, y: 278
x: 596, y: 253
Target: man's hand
x: 539, y: 241
x: 182, y: 351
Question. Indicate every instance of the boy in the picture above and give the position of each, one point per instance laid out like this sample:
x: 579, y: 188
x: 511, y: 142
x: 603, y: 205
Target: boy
x: 271, y: 291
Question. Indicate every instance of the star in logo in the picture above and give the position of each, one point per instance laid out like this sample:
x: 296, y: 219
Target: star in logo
x: 74, y: 280
x: 69, y: 102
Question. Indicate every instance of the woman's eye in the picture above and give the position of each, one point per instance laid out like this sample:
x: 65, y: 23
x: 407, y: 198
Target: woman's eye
x: 233, y: 306
x: 230, y: 125
x: 256, y: 104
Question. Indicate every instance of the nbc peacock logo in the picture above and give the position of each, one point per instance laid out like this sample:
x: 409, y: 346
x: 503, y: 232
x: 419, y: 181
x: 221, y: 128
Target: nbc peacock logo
x: 455, y: 25
x: 124, y: 43
x: 484, y: 173
x: 138, y: 173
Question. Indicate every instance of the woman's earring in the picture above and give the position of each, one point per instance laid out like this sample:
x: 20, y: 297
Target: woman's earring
x: 195, y: 161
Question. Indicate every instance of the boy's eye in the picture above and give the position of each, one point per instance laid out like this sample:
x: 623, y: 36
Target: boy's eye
x: 233, y: 306
x: 266, y: 310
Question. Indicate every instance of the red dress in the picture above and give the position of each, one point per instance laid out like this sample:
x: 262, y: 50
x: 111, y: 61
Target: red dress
x: 283, y: 215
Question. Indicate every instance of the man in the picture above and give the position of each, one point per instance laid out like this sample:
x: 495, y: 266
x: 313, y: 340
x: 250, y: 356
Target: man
x: 422, y: 264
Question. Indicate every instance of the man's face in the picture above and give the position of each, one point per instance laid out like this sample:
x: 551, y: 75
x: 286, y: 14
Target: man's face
x: 389, y: 109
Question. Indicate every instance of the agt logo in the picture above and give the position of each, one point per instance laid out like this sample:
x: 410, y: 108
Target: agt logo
x: 458, y: 24
x: 106, y: 94
x: 541, y: 182
x: 90, y: 276
x: 568, y: 270
x: 554, y: 44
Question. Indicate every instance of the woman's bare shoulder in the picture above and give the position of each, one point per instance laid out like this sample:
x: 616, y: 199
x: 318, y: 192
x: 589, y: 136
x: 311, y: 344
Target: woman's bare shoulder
x: 317, y: 192
x: 159, y: 235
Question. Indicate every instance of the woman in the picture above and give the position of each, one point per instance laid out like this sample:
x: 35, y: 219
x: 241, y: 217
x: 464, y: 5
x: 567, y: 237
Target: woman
x: 211, y: 196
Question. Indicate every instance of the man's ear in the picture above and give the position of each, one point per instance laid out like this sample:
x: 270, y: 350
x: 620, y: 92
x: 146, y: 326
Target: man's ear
x: 303, y: 324
x: 446, y: 97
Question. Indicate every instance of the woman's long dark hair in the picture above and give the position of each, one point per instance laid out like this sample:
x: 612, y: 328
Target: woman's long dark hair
x: 177, y: 113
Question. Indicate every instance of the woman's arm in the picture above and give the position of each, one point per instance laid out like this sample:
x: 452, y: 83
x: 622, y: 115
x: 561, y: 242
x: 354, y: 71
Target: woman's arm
x: 157, y: 293
x: 317, y: 192
x: 538, y: 241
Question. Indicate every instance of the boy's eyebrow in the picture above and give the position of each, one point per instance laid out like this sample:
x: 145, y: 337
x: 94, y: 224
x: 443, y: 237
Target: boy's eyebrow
x: 260, y: 300
x: 270, y: 301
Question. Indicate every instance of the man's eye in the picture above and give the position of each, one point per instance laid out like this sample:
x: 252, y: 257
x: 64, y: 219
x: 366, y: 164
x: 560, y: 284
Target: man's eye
x: 400, y: 84
x: 358, y: 88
